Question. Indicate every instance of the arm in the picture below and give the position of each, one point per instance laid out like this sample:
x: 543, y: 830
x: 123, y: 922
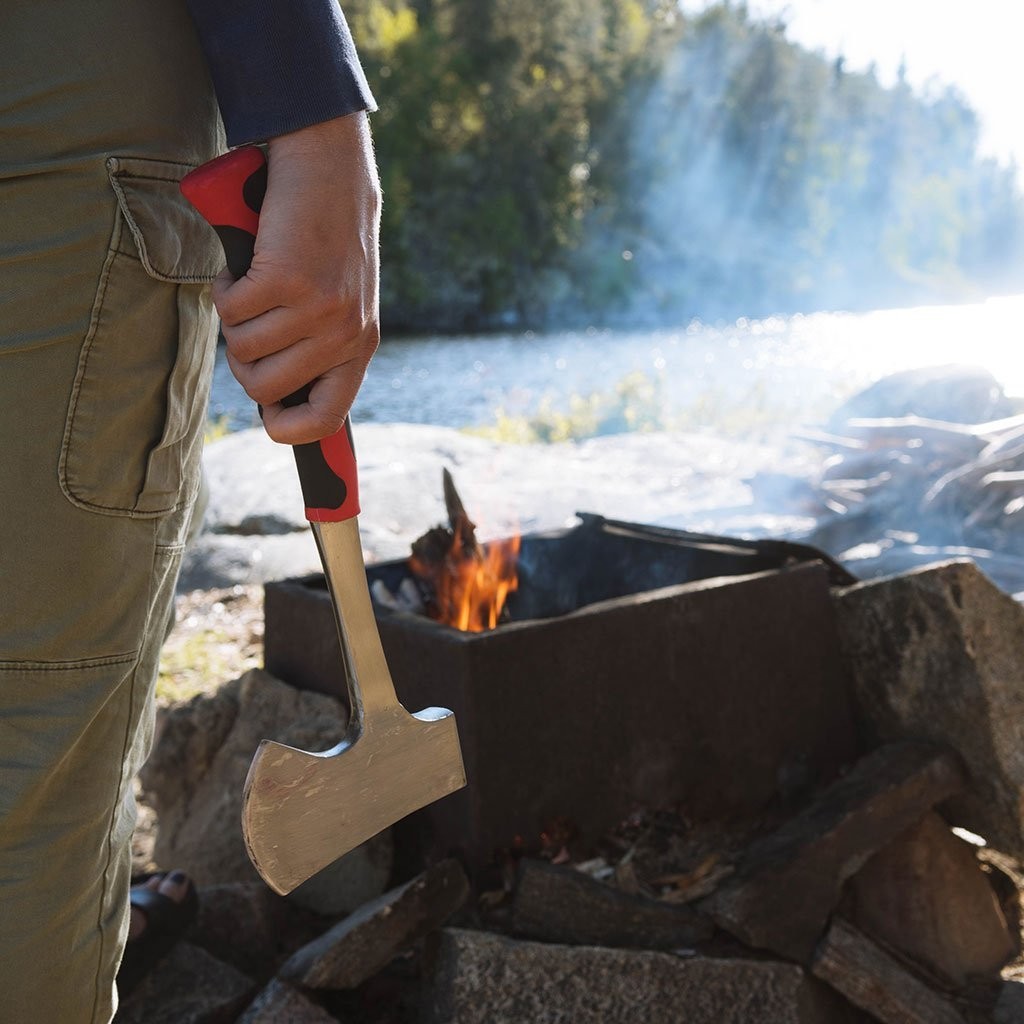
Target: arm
x: 308, y: 308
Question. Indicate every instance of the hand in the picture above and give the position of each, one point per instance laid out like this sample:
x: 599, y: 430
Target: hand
x: 308, y: 308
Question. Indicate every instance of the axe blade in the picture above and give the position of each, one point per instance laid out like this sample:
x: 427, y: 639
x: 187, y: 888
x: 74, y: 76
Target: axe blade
x: 302, y: 811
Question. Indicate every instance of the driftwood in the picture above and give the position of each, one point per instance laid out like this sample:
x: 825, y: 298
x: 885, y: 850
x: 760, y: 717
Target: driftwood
x: 908, y: 483
x: 914, y: 431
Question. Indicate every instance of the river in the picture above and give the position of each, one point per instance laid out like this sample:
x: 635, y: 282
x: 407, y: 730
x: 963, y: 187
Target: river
x: 779, y: 373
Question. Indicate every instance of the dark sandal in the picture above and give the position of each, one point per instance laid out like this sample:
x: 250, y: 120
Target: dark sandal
x: 166, y: 921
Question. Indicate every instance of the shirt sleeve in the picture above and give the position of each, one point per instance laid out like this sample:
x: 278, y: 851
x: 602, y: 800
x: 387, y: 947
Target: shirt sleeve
x: 279, y: 65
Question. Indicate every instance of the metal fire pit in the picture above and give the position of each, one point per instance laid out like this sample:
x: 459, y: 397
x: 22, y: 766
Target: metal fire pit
x: 642, y: 667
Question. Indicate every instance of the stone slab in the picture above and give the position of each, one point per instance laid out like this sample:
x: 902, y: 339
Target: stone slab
x: 480, y: 978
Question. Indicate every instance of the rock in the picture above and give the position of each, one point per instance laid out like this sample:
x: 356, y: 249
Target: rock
x: 367, y: 940
x: 253, y: 485
x: 279, y: 1003
x: 251, y: 928
x: 480, y: 978
x: 187, y: 987
x: 790, y: 882
x: 558, y: 904
x: 890, y: 558
x: 244, y: 502
x: 253, y: 526
x: 925, y: 895
x: 874, y: 981
x: 195, y: 775
x: 956, y: 394
x: 223, y: 560
x: 938, y: 654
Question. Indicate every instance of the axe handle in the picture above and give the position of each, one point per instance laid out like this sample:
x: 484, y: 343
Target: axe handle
x: 229, y: 192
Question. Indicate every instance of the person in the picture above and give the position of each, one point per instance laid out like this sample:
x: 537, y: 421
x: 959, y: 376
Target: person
x: 106, y: 351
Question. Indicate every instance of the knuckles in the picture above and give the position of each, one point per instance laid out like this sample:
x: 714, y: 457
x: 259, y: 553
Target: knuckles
x: 243, y: 349
x: 263, y: 392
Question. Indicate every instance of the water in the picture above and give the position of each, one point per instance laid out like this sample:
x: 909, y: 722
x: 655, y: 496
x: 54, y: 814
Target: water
x: 780, y: 373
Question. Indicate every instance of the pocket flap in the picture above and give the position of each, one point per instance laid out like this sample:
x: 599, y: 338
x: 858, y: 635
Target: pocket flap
x: 172, y: 239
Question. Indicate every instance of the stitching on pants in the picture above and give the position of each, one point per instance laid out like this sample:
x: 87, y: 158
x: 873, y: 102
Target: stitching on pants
x: 67, y: 666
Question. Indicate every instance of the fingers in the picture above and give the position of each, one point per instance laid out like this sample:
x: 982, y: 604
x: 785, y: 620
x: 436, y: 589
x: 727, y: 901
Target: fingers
x: 273, y: 377
x: 324, y: 414
x: 281, y: 349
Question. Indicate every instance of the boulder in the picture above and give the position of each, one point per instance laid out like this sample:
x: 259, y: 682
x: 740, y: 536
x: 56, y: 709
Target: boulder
x: 938, y: 654
x: 253, y: 489
x: 196, y: 772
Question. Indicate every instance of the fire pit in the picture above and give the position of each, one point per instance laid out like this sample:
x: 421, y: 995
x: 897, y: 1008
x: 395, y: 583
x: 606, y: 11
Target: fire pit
x: 638, y: 667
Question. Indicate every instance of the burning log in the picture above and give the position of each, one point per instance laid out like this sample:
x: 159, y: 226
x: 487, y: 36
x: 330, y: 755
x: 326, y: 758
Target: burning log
x: 464, y: 583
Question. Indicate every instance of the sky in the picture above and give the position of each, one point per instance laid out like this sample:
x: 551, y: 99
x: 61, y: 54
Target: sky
x: 976, y: 46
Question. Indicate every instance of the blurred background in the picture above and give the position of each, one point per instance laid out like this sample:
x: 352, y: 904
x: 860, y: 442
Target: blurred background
x: 777, y: 226
x: 664, y: 197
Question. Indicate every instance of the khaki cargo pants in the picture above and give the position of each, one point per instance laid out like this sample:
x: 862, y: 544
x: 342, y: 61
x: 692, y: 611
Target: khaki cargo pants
x: 106, y: 350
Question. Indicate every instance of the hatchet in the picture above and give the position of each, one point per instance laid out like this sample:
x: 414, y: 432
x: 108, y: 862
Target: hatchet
x: 302, y: 810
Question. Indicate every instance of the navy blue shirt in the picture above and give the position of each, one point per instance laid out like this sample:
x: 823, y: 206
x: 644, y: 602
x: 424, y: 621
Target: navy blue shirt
x: 279, y: 65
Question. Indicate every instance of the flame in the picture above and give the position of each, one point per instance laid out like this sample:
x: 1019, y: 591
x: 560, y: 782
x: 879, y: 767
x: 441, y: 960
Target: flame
x: 471, y: 587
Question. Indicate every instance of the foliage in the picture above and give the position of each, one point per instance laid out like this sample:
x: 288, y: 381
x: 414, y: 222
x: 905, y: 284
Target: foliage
x: 635, y: 404
x: 558, y: 161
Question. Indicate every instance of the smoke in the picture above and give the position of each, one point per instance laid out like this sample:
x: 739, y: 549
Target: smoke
x: 764, y: 179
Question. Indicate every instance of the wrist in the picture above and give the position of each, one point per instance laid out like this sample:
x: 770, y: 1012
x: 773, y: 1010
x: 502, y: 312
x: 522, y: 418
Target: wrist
x: 350, y: 130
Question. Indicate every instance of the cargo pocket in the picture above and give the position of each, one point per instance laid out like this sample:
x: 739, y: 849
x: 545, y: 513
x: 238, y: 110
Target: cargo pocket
x: 135, y: 420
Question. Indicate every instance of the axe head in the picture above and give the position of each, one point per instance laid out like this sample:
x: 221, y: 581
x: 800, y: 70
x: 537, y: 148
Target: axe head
x: 302, y: 811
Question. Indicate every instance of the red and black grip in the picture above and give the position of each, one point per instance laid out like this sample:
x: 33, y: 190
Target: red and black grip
x: 229, y: 193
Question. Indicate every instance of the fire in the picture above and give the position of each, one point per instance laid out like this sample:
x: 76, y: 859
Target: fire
x: 471, y: 583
